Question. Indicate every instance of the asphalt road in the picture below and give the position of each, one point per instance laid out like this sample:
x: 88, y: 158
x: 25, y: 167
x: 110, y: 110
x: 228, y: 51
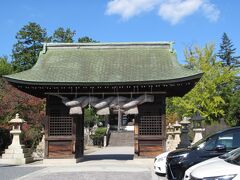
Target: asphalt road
x: 14, y: 172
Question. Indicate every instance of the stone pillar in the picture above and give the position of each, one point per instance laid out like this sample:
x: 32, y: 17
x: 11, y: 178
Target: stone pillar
x: 185, y: 142
x: 177, y: 132
x: 16, y: 153
x: 169, y: 140
x: 197, y: 134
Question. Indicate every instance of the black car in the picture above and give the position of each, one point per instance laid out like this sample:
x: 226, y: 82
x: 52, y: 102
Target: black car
x: 180, y: 160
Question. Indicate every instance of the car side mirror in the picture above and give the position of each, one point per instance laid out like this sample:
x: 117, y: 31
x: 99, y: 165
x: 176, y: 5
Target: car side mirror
x: 221, y: 148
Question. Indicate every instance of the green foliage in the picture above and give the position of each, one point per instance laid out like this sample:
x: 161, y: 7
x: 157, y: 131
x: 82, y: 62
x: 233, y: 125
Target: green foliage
x: 28, y: 46
x: 98, y: 136
x: 206, y: 96
x: 86, y: 39
x: 5, y: 67
x: 31, y: 136
x: 61, y: 35
x: 226, y: 53
x: 233, y: 115
x: 91, y: 118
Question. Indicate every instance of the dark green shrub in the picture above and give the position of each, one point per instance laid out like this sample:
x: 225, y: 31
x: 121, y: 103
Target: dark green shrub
x: 5, y: 139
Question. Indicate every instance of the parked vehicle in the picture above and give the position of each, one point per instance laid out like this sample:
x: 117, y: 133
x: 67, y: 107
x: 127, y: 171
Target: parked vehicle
x: 228, y: 169
x: 215, y: 159
x: 180, y: 160
x: 160, y: 164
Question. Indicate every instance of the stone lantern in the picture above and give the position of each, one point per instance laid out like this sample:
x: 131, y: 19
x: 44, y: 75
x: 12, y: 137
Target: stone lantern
x: 185, y: 142
x: 177, y: 132
x: 170, y: 135
x: 197, y: 127
x: 16, y: 153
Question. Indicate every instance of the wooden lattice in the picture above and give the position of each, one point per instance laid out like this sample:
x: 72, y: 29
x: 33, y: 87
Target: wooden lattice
x: 60, y: 126
x: 150, y: 125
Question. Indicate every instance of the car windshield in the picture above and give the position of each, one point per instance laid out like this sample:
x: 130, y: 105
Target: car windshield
x: 234, y: 158
x: 227, y: 155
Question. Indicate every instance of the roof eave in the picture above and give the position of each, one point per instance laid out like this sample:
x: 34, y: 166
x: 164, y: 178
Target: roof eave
x: 151, y: 82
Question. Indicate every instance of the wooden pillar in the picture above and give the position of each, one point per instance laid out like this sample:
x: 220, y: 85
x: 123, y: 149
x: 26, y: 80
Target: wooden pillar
x: 79, y: 145
x: 136, y: 150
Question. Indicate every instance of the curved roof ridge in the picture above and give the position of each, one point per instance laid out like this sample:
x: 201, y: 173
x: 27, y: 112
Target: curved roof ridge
x: 160, y: 44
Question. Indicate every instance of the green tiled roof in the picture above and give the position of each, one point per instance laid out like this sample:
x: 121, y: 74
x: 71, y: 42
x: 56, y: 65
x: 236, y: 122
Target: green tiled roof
x: 107, y: 63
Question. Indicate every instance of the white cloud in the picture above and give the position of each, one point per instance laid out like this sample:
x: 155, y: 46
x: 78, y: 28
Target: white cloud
x: 172, y: 11
x: 129, y: 8
x: 175, y: 10
x: 211, y: 11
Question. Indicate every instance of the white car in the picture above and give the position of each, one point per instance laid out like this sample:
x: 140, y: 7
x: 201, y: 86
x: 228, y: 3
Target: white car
x: 189, y: 170
x: 228, y: 169
x: 215, y: 159
x: 160, y: 163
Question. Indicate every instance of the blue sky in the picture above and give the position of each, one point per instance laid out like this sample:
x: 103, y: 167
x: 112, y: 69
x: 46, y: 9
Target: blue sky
x: 186, y: 22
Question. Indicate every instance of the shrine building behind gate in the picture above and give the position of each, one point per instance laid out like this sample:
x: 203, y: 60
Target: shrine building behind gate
x: 130, y: 78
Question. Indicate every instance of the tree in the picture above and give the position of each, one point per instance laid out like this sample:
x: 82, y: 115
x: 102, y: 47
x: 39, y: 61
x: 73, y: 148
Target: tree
x: 28, y: 46
x: 14, y: 101
x: 233, y: 115
x: 61, y: 35
x: 91, y: 118
x: 5, y: 66
x: 226, y: 53
x: 86, y: 39
x: 30, y: 108
x: 205, y: 97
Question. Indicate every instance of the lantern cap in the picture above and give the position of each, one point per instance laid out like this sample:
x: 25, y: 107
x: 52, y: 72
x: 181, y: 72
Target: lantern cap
x: 185, y: 120
x: 16, y: 120
x: 169, y: 126
x: 176, y: 124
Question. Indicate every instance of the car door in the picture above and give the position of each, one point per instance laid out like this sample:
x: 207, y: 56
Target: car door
x: 228, y: 139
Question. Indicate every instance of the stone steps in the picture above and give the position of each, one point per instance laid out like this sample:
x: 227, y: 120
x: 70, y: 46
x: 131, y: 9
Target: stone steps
x: 123, y: 138
x: 19, y: 150
x: 16, y: 155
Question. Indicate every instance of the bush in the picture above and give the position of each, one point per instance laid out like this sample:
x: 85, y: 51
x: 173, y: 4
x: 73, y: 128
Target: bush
x: 98, y: 136
x: 5, y: 139
x: 31, y: 135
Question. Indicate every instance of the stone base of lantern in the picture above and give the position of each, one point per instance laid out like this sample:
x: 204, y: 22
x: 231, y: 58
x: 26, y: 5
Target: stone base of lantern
x: 16, y: 155
x: 175, y: 143
x: 198, y: 134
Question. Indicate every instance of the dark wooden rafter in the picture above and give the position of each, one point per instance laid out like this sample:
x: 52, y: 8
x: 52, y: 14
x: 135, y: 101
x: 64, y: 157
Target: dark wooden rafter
x: 173, y: 89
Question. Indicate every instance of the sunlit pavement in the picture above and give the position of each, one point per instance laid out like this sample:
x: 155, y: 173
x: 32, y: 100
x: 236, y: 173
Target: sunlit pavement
x: 115, y: 163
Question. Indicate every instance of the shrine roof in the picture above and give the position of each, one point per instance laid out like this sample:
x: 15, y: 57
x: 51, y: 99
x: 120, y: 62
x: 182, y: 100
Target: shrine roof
x: 106, y: 63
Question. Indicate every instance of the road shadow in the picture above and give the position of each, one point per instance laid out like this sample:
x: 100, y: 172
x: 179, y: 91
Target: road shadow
x: 122, y: 157
x: 8, y: 165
